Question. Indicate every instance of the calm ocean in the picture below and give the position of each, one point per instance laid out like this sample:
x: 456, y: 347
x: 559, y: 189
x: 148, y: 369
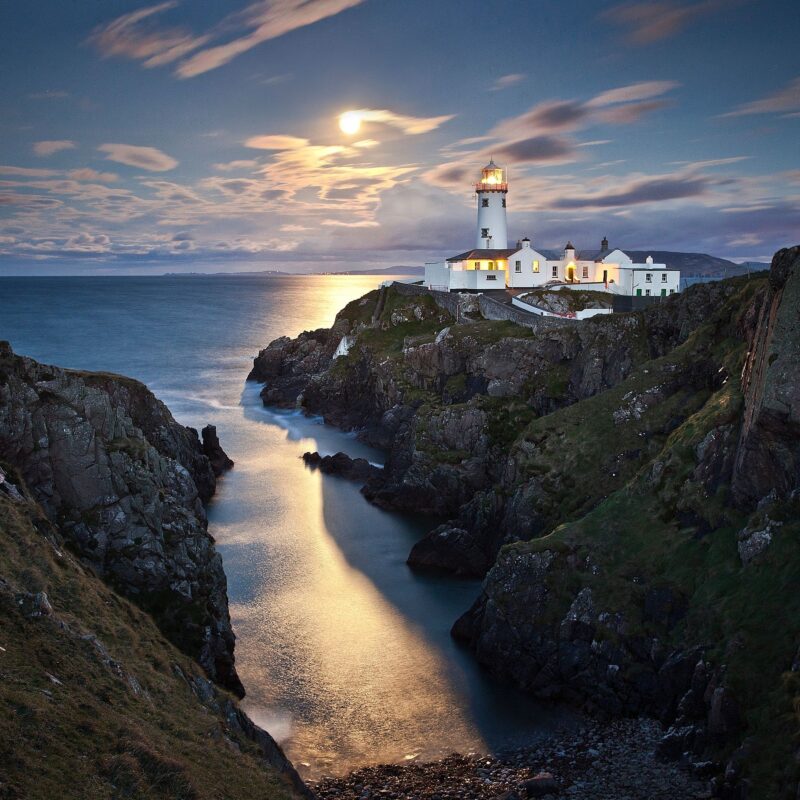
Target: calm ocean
x: 345, y: 653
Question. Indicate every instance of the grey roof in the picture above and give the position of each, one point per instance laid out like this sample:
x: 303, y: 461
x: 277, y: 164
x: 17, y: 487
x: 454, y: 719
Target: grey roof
x: 480, y: 255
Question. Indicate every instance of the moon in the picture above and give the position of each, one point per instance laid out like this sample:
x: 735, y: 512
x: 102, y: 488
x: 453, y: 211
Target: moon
x: 350, y: 122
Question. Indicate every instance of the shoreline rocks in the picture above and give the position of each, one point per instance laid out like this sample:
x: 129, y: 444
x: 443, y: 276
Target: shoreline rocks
x: 597, y: 762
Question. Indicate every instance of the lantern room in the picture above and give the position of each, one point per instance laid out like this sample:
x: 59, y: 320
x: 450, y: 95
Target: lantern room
x: 493, y: 179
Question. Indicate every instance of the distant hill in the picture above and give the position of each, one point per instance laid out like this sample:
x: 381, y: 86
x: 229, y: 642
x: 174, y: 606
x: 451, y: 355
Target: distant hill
x: 399, y: 270
x: 691, y: 263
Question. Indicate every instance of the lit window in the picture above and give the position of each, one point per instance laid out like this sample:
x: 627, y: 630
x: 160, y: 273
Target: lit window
x: 555, y: 271
x: 585, y: 272
x: 648, y: 278
x: 477, y: 265
x: 485, y: 202
x: 663, y: 277
x: 535, y: 266
x: 491, y: 265
x: 517, y: 266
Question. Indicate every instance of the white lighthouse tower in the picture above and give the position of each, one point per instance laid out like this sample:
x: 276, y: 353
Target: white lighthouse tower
x: 492, y: 190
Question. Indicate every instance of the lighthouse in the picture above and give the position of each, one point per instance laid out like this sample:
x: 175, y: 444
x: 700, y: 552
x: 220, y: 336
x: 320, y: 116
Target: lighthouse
x: 491, y: 190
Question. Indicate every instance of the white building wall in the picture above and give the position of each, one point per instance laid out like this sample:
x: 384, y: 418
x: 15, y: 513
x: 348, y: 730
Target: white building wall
x: 492, y: 218
x: 526, y: 269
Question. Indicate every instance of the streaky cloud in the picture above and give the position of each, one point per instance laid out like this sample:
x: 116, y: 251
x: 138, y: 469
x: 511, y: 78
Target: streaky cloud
x: 785, y: 100
x: 51, y: 147
x: 147, y: 158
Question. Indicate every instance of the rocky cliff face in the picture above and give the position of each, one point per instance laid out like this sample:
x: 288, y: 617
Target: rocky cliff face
x: 629, y: 483
x: 124, y: 483
x: 768, y: 455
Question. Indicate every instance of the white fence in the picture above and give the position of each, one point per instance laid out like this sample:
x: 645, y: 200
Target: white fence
x: 584, y: 314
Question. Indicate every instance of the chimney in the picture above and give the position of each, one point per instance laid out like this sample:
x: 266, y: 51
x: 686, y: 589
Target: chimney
x: 526, y: 242
x: 604, y: 244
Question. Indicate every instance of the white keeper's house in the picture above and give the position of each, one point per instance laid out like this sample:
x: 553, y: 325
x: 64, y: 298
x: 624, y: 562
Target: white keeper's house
x: 492, y: 264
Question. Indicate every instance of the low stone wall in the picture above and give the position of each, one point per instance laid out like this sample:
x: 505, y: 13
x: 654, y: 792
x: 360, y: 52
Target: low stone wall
x: 449, y: 301
x: 489, y: 307
x: 492, y: 309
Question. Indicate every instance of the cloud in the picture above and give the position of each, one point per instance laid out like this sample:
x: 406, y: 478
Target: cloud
x: 537, y: 149
x: 649, y: 22
x: 230, y: 166
x: 275, y: 142
x: 48, y: 148
x: 643, y: 90
x: 135, y: 35
x: 27, y: 172
x: 148, y: 158
x: 131, y: 36
x: 785, y: 100
x: 268, y: 20
x: 646, y: 190
x: 88, y: 174
x: 505, y: 81
x: 630, y: 112
x: 407, y: 124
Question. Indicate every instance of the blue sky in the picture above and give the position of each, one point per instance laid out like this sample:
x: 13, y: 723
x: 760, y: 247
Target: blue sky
x: 198, y: 135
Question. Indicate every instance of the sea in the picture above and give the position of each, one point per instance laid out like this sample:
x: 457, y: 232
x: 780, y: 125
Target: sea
x: 345, y: 653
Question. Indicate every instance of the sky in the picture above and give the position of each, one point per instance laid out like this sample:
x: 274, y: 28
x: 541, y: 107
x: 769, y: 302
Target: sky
x: 197, y: 135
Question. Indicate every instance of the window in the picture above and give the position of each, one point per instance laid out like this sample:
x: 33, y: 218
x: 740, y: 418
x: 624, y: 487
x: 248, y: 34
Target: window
x: 517, y: 266
x: 477, y: 265
x: 647, y: 292
x: 535, y: 266
x: 485, y: 202
x: 585, y: 272
x: 555, y: 271
x: 491, y: 265
x: 484, y: 233
x: 663, y: 277
x: 504, y: 202
x: 491, y: 277
x: 672, y: 291
x: 648, y: 278
x: 663, y: 292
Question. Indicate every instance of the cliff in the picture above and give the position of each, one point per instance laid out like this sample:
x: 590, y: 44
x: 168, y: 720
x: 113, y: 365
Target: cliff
x: 95, y: 701
x: 124, y: 484
x: 629, y: 483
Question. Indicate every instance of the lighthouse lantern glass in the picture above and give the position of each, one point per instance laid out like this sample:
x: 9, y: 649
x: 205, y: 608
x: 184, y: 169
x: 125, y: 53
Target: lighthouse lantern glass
x: 493, y: 175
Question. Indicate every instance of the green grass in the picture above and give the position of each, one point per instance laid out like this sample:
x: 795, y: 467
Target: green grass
x: 89, y: 735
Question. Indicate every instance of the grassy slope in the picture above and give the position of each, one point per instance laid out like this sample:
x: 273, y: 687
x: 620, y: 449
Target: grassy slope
x: 89, y: 731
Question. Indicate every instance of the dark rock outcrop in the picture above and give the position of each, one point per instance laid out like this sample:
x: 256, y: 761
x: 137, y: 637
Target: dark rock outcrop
x: 354, y: 469
x: 453, y: 550
x: 124, y: 483
x: 212, y: 449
